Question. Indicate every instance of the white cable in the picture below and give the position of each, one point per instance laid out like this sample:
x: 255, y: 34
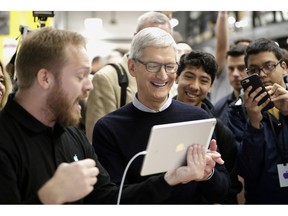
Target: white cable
x: 125, y: 172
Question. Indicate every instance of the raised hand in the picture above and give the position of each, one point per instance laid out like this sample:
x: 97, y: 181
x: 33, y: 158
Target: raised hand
x: 212, y: 157
x: 70, y: 182
x: 200, y: 164
x: 279, y: 96
x: 194, y: 170
x: 251, y: 104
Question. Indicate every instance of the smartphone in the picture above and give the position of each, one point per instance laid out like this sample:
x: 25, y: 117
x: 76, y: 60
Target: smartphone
x: 255, y: 81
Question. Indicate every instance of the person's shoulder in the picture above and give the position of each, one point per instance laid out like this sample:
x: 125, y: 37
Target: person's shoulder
x: 77, y: 134
x: 183, y: 107
x: 220, y: 125
x: 76, y: 141
x: 73, y: 130
x: 219, y: 104
x: 107, y: 69
x: 222, y: 100
x: 206, y: 102
x: 126, y: 110
x: 106, y: 74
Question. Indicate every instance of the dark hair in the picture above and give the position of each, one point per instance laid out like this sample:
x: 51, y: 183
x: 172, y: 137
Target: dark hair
x: 96, y: 59
x: 236, y: 50
x: 262, y: 45
x: 197, y: 59
x: 285, y: 55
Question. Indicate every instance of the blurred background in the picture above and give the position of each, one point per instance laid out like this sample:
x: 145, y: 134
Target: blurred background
x: 109, y: 33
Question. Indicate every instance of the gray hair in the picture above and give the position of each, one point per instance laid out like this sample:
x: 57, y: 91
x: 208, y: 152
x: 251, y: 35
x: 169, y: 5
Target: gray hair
x: 151, y: 37
x: 153, y: 18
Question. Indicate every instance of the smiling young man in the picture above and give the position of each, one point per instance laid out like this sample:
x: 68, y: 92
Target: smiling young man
x: 263, y: 150
x: 120, y: 135
x: 195, y: 76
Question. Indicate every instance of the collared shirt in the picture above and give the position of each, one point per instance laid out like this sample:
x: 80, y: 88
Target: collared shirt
x: 144, y: 108
x: 30, y: 153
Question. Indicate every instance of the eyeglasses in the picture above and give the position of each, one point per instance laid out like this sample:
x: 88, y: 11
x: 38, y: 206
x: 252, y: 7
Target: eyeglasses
x: 154, y: 67
x: 267, y: 68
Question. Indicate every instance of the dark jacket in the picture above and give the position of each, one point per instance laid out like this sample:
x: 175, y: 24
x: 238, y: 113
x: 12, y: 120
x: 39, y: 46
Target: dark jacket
x: 220, y: 109
x: 228, y: 149
x: 260, y: 151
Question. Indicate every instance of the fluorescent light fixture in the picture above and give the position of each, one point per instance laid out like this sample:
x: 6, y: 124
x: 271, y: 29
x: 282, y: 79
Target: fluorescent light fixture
x: 94, y: 27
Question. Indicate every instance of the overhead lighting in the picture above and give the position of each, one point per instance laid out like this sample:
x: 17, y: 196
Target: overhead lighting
x: 231, y: 20
x: 241, y: 24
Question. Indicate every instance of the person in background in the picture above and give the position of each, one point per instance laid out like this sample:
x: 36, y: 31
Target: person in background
x: 195, y: 76
x: 96, y: 64
x: 44, y: 158
x: 221, y: 84
x: 182, y: 48
x: 263, y: 135
x: 121, y: 134
x: 236, y: 72
x: 243, y: 41
x: 285, y: 58
x: 106, y: 95
x: 5, y: 86
x: 114, y: 57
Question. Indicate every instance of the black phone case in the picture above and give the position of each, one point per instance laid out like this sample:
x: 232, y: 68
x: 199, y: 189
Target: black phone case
x: 254, y: 81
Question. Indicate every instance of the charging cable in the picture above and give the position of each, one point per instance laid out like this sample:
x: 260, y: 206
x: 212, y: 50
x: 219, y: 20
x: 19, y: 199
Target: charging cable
x: 125, y: 172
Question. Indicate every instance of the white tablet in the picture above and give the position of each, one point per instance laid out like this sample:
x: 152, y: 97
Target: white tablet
x: 168, y: 143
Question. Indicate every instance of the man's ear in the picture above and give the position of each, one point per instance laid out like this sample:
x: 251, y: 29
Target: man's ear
x: 131, y: 67
x: 44, y: 78
x: 284, y: 67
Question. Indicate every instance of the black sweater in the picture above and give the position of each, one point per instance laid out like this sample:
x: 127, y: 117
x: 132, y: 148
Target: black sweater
x: 123, y: 133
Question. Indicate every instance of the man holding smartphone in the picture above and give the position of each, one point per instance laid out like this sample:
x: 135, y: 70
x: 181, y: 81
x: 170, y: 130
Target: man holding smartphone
x: 263, y: 148
x: 254, y: 80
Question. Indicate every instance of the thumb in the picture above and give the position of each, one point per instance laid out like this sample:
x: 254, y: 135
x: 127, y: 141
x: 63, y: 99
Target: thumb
x: 213, y: 145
